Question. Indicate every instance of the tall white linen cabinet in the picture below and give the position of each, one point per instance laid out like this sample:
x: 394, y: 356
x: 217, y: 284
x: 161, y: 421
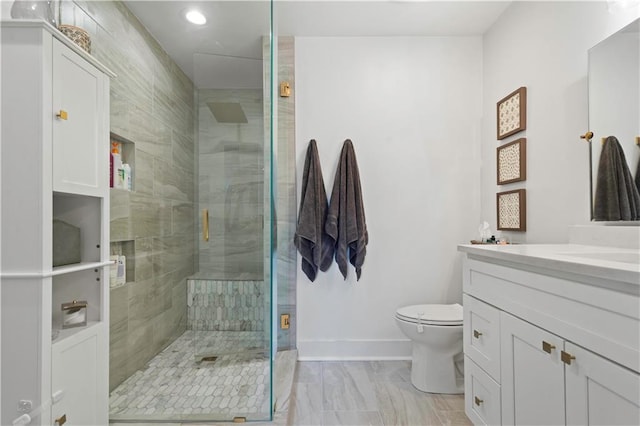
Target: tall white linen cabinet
x: 55, y: 166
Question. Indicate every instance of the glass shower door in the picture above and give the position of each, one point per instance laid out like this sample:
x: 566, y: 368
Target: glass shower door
x: 230, y: 298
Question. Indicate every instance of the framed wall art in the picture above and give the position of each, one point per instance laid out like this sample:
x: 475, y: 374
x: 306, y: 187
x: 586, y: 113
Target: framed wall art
x: 512, y: 208
x: 512, y: 113
x: 511, y: 162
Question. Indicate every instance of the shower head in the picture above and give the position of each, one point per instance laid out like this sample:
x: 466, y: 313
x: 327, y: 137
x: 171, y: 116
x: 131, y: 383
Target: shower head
x: 227, y: 112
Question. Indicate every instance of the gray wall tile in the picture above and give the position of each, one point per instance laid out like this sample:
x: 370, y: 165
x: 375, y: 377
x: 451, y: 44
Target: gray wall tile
x: 152, y: 105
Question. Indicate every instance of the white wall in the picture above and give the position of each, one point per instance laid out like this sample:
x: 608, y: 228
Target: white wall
x: 412, y: 108
x: 543, y: 46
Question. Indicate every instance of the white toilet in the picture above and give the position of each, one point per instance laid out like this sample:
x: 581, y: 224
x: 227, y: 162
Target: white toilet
x: 436, y: 334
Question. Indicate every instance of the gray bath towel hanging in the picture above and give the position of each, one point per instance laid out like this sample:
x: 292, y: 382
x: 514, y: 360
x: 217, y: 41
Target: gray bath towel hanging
x: 313, y: 243
x: 346, y: 222
x: 638, y: 173
x: 617, y: 197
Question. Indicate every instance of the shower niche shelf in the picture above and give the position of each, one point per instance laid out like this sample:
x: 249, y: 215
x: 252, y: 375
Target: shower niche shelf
x: 126, y: 248
x: 127, y: 155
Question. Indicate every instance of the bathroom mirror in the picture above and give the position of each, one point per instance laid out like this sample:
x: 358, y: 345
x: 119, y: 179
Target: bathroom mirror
x: 614, y: 96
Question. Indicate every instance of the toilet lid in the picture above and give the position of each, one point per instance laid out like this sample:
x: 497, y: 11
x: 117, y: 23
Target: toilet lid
x: 432, y: 314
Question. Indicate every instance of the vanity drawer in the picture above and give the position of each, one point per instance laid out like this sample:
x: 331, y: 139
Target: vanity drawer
x: 481, y: 395
x: 482, y: 335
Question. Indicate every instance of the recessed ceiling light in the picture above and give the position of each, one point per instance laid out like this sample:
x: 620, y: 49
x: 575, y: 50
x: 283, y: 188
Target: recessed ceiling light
x: 196, y: 17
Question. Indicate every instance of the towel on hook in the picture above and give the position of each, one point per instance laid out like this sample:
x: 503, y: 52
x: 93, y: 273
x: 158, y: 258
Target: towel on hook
x: 310, y: 239
x: 617, y: 197
x: 345, y: 221
x: 638, y: 175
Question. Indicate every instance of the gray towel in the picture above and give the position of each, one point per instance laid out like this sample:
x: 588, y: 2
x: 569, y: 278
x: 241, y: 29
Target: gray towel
x: 617, y: 197
x: 638, y: 176
x: 345, y: 221
x: 310, y: 239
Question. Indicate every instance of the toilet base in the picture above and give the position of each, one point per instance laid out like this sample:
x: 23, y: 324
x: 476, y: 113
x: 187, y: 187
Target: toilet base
x: 436, y: 372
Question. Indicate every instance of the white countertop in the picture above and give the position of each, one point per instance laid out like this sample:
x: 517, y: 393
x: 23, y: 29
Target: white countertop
x: 610, y: 263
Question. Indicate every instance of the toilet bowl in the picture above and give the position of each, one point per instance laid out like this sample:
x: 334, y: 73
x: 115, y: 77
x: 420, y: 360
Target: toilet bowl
x: 436, y: 335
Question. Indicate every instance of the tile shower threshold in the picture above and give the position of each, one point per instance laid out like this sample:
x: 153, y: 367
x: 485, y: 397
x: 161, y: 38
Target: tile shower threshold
x: 174, y: 387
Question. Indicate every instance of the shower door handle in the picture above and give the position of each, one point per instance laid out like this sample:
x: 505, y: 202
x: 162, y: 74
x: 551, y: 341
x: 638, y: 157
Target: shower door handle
x: 205, y: 224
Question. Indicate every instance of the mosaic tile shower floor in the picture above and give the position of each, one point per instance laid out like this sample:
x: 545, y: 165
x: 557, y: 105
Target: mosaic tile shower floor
x: 178, y: 385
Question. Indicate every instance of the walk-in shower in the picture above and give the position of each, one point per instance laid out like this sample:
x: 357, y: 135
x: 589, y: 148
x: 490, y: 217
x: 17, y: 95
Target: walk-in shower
x: 191, y: 330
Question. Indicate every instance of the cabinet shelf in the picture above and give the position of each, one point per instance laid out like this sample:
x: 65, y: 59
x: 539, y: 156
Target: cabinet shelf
x: 76, y: 267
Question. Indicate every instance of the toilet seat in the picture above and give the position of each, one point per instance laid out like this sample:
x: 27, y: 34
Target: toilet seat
x: 432, y: 314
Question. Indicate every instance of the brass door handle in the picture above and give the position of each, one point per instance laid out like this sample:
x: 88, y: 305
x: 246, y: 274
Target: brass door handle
x: 205, y: 224
x: 477, y: 400
x: 477, y: 334
x: 62, y: 115
x: 61, y: 420
x: 547, y: 347
x: 566, y: 357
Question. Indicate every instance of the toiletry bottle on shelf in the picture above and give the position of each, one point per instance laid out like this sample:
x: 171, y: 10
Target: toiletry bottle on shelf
x: 111, y: 170
x: 117, y: 165
x: 127, y: 176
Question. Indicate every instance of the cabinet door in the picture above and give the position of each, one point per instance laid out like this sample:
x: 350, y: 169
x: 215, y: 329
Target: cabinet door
x: 482, y: 335
x: 481, y: 395
x: 600, y: 392
x: 78, y: 367
x: 532, y: 374
x: 80, y: 139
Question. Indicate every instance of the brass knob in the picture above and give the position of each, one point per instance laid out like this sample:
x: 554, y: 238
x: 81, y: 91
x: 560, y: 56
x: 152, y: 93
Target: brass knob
x: 62, y: 114
x: 566, y: 357
x: 61, y: 420
x: 478, y: 401
x: 547, y: 347
x: 587, y: 136
x: 476, y: 334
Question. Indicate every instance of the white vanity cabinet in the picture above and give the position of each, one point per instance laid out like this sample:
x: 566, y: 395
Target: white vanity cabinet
x: 566, y: 332
x: 55, y: 153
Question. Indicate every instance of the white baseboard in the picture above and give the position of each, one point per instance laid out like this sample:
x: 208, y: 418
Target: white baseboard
x: 354, y: 350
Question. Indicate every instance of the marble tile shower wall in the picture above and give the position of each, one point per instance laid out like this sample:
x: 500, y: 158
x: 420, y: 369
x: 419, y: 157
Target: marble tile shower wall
x: 231, y: 186
x: 152, y: 105
x: 286, y: 203
x: 225, y: 305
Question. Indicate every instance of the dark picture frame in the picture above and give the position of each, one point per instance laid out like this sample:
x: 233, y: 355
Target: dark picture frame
x: 512, y: 210
x: 511, y: 162
x: 512, y: 113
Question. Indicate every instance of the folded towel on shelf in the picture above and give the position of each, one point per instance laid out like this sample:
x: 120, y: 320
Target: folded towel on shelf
x: 346, y: 222
x: 313, y: 243
x: 617, y: 197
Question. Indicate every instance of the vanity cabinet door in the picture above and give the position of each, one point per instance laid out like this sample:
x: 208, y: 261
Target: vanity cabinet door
x: 80, y: 148
x: 482, y: 335
x: 532, y: 374
x: 600, y: 392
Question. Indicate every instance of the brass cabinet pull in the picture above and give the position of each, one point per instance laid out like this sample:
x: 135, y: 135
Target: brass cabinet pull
x: 477, y: 400
x: 205, y: 224
x: 476, y: 334
x: 547, y: 347
x: 566, y: 357
x: 61, y: 420
x: 62, y: 115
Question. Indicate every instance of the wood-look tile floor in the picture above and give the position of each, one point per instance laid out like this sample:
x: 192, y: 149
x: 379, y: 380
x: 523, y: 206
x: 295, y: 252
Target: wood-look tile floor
x: 367, y: 393
x: 358, y: 393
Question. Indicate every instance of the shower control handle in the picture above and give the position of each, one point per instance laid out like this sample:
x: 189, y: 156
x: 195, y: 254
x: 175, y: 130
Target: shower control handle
x: 205, y: 224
